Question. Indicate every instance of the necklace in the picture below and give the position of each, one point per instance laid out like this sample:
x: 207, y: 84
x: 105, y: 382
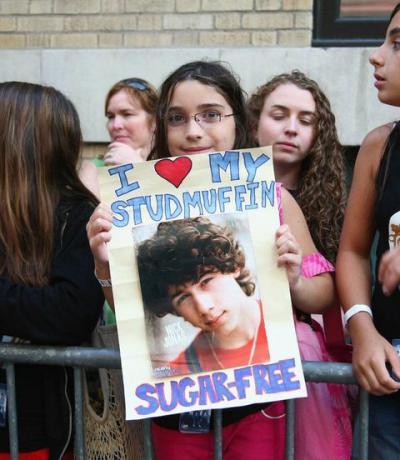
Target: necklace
x: 252, y: 351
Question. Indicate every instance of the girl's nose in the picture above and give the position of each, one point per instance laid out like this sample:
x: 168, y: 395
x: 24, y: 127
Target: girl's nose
x: 193, y: 129
x: 117, y: 122
x: 291, y: 125
x: 376, y: 57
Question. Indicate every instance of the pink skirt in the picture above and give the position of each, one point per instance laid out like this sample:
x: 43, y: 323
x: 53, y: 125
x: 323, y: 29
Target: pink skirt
x: 323, y: 419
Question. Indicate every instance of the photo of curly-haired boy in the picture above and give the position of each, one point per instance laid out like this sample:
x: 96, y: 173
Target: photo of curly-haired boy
x: 196, y: 269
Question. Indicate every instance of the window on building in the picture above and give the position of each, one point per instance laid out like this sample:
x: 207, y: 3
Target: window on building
x: 350, y: 22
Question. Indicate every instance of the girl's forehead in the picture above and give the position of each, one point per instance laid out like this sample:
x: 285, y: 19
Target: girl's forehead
x: 394, y: 23
x: 290, y: 94
x: 195, y: 93
x: 124, y: 97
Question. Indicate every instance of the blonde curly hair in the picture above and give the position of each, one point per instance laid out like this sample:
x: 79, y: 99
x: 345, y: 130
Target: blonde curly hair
x: 321, y: 190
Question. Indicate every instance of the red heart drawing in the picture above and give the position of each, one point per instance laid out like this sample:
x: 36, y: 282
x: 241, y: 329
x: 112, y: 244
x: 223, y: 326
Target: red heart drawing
x: 174, y: 171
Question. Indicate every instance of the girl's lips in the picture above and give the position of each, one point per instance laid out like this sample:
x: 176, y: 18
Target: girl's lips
x: 379, y: 81
x: 120, y: 138
x: 191, y: 150
x: 286, y: 146
x: 379, y: 84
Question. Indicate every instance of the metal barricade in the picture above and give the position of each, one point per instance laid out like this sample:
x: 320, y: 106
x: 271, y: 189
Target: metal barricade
x: 81, y: 357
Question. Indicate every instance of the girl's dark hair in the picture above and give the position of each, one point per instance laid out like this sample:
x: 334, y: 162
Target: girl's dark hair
x: 40, y: 144
x: 321, y: 188
x: 214, y: 74
x: 396, y: 9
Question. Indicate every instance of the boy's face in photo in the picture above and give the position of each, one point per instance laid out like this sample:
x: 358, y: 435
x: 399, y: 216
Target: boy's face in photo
x: 214, y: 303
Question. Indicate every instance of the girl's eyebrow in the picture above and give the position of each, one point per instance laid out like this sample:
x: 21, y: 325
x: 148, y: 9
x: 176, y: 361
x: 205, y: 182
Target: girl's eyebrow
x: 199, y: 107
x: 394, y: 31
x: 280, y: 107
x: 302, y: 112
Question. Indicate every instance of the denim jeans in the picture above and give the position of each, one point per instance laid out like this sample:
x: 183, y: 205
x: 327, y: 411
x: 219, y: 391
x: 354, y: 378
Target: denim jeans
x: 384, y: 429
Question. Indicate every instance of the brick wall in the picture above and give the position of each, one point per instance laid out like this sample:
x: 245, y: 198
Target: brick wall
x: 154, y: 23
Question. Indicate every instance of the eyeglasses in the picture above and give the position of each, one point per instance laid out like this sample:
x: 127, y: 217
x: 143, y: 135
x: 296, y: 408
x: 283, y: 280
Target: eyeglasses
x: 136, y: 83
x: 206, y: 118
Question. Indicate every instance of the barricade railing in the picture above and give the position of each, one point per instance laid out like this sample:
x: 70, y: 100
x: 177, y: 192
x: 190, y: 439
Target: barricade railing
x: 86, y: 357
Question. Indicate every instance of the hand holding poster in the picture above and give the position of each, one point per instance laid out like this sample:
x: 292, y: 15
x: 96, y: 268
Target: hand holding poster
x: 204, y: 314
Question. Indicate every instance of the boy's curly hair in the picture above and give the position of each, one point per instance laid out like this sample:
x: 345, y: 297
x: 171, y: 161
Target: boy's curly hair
x: 322, y: 190
x: 182, y: 251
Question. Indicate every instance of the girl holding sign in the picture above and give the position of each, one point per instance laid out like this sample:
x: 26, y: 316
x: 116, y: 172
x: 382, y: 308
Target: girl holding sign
x: 374, y: 204
x: 202, y: 109
x: 292, y: 113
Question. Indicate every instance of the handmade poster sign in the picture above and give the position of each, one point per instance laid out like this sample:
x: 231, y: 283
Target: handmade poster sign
x: 204, y: 314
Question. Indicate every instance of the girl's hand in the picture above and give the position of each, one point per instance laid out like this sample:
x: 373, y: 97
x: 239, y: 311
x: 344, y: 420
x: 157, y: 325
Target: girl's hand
x: 99, y: 234
x: 371, y: 352
x: 289, y: 255
x: 119, y: 153
x: 389, y: 270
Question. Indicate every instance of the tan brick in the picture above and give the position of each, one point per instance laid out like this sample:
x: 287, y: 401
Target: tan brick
x: 188, y: 21
x: 298, y: 38
x: 187, y: 6
x: 112, y: 6
x: 227, y: 5
x: 264, y: 38
x: 76, y: 6
x: 224, y: 38
x: 149, y: 22
x: 105, y: 22
x: 14, y: 6
x: 75, y: 23
x: 129, y: 22
x: 148, y: 40
x: 38, y: 41
x: 7, y: 23
x: 74, y: 40
x: 267, y: 21
x: 303, y: 20
x: 269, y: 5
x: 40, y: 23
x: 12, y: 41
x: 186, y: 38
x: 227, y: 21
x: 149, y: 6
x: 297, y: 4
x: 111, y: 40
x: 40, y: 6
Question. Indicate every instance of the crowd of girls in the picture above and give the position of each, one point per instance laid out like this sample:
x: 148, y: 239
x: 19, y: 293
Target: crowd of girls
x: 49, y: 293
x: 189, y: 98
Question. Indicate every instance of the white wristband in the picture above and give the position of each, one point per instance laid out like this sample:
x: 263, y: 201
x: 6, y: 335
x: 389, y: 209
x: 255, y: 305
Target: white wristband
x: 356, y: 309
x: 103, y: 282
